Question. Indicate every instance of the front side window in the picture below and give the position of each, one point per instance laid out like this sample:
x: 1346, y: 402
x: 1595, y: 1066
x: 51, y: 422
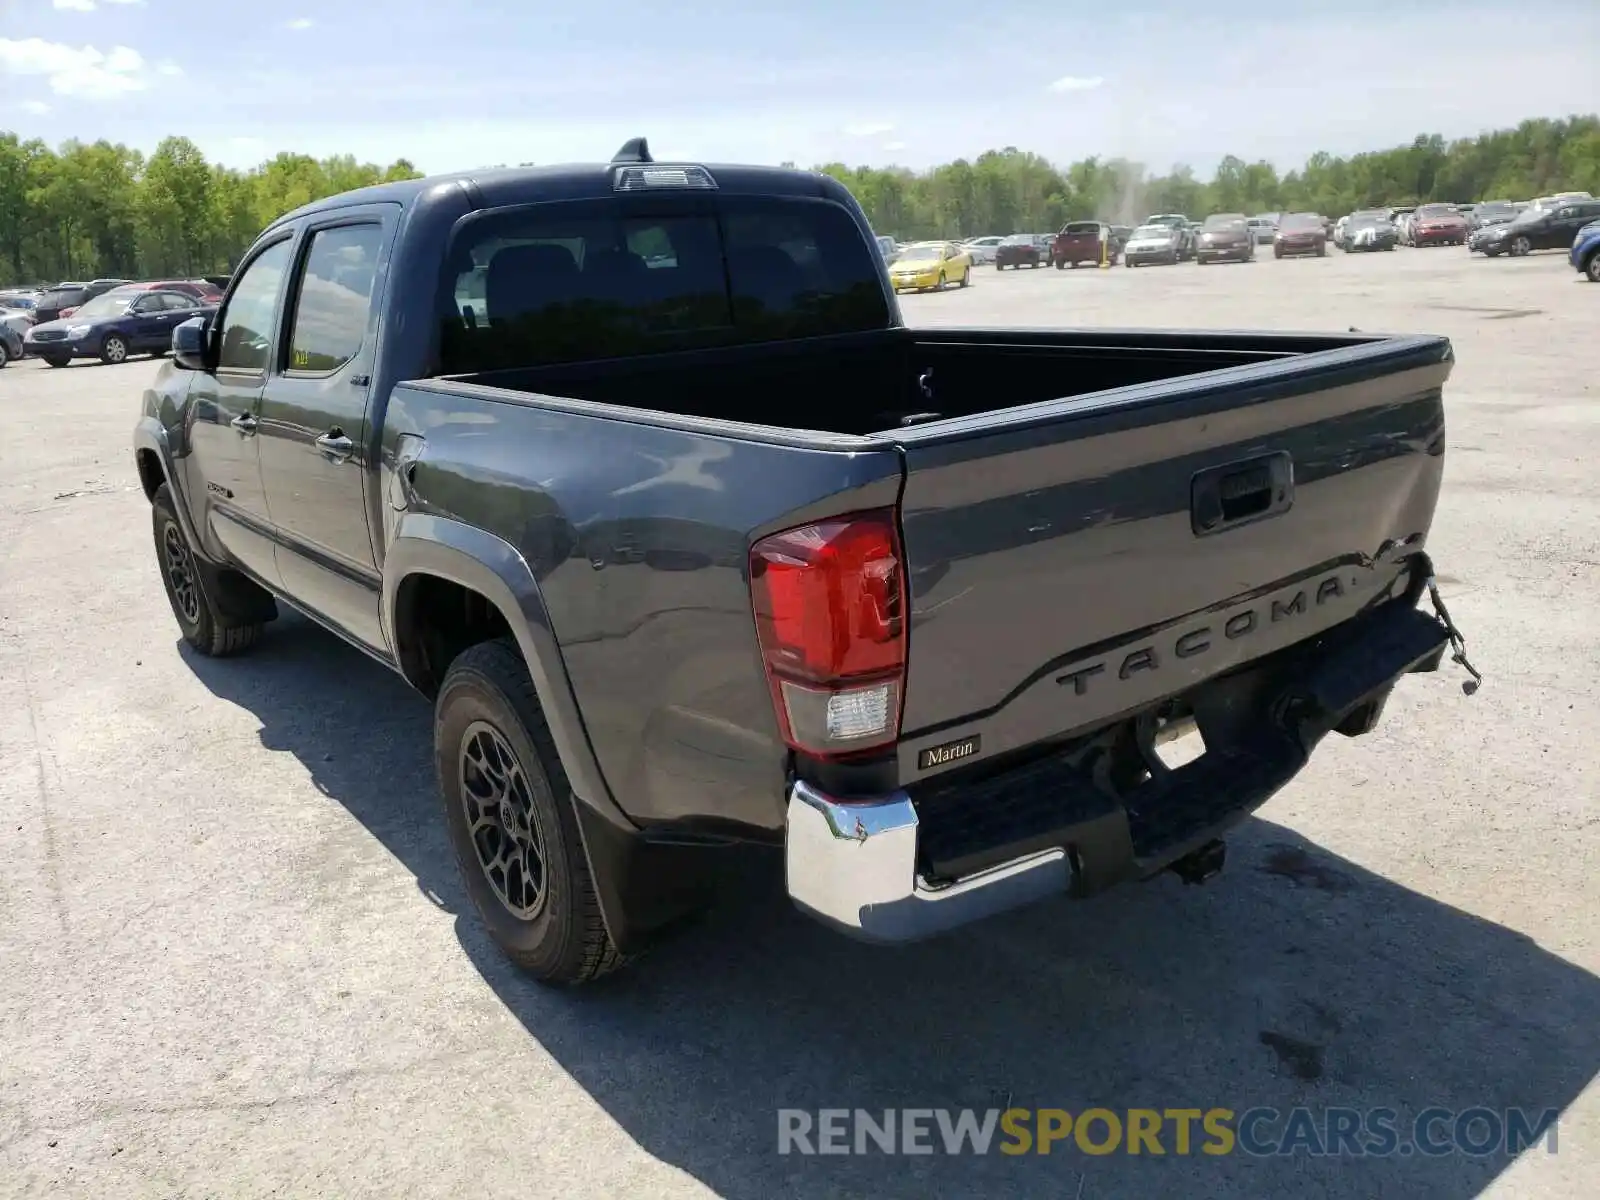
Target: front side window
x: 334, y: 297
x: 247, y: 322
x: 563, y: 283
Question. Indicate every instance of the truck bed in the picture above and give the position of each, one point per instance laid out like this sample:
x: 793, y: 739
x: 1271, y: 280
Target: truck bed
x: 868, y: 383
x: 1050, y: 503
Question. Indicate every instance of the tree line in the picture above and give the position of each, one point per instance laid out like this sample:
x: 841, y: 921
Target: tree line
x: 103, y: 209
x: 1013, y: 191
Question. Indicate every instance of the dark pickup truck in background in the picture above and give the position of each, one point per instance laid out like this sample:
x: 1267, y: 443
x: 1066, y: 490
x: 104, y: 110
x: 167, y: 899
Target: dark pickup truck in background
x: 635, y: 471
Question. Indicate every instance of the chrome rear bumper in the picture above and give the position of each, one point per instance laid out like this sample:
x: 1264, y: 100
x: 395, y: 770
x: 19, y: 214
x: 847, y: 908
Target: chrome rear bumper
x: 854, y: 866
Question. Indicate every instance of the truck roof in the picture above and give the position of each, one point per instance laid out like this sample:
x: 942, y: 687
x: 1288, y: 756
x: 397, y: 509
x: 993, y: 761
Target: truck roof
x: 569, y: 181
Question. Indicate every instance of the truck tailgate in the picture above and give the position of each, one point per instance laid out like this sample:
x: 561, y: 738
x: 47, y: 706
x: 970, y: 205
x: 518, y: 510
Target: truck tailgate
x: 1078, y: 559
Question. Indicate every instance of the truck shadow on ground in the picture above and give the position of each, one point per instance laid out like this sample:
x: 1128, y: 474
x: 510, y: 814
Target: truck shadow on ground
x: 1296, y: 978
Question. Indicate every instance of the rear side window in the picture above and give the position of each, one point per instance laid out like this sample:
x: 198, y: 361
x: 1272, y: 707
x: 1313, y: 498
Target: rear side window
x: 565, y: 283
x: 334, y: 296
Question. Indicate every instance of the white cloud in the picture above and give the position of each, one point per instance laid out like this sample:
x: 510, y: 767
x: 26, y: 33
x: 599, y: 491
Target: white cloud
x: 166, y: 66
x: 81, y: 71
x: 73, y: 5
x: 1076, y: 83
x: 37, y: 107
x: 869, y: 129
x: 894, y: 145
x: 300, y: 24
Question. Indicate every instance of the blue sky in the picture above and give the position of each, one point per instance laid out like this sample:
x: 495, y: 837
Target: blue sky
x: 465, y: 84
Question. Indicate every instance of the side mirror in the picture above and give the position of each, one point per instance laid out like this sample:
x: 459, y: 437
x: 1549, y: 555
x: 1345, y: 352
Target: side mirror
x: 190, y: 342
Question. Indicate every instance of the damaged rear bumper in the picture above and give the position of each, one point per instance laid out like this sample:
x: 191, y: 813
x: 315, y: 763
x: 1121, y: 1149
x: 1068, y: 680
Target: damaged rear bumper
x: 907, y: 865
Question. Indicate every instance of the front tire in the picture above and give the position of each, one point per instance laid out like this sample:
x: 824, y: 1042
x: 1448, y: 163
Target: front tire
x: 1521, y: 246
x: 1591, y: 269
x: 55, y: 360
x: 203, y: 625
x: 113, y: 350
x: 509, y: 811
x: 5, y: 354
x: 966, y: 277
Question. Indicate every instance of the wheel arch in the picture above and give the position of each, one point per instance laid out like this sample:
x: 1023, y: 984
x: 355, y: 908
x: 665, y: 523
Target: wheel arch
x: 448, y: 585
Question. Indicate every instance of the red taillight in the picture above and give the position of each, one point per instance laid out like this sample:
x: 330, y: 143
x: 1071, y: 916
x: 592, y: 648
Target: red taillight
x: 830, y: 609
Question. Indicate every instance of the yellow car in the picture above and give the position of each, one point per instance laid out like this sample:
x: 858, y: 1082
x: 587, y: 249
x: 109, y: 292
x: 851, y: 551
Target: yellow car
x: 936, y: 265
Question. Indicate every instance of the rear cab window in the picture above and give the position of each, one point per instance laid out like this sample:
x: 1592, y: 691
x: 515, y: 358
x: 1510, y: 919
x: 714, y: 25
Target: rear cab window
x: 580, y: 280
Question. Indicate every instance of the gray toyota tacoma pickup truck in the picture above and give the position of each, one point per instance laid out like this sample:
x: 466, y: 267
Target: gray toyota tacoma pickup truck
x: 635, y: 471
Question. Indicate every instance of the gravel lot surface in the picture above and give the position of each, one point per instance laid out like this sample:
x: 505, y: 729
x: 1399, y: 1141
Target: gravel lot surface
x: 235, y: 959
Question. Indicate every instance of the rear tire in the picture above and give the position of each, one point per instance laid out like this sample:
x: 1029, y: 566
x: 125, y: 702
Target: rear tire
x: 5, y: 354
x: 1591, y: 269
x: 203, y: 625
x: 508, y: 808
x: 966, y: 277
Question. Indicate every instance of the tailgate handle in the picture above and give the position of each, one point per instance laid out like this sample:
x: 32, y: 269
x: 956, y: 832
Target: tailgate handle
x: 1238, y: 493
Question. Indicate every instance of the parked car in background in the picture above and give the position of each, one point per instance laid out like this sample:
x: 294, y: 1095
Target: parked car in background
x: 66, y: 294
x: 201, y: 289
x: 981, y: 249
x: 1225, y: 237
x: 16, y: 312
x: 1438, y: 225
x: 114, y: 325
x: 1263, y: 228
x: 11, y: 344
x: 1491, y: 212
x: 1179, y: 221
x: 1300, y: 233
x: 1154, y: 244
x: 1368, y: 231
x: 95, y: 287
x: 925, y: 266
x: 1018, y: 250
x: 1585, y: 252
x: 1400, y: 218
x: 1539, y: 229
x: 1083, y: 242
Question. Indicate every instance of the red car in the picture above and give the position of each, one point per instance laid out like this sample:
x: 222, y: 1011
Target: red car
x: 1300, y: 233
x: 1438, y: 225
x: 1083, y: 242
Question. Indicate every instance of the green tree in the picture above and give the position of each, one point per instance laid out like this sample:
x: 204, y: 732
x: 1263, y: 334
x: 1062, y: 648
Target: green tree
x: 102, y: 209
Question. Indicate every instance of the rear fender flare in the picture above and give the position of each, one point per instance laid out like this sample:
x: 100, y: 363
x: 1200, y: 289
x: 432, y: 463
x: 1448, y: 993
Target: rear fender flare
x: 474, y: 558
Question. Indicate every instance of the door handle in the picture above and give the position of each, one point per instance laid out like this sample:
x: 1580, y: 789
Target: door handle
x: 245, y: 424
x: 335, y: 445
